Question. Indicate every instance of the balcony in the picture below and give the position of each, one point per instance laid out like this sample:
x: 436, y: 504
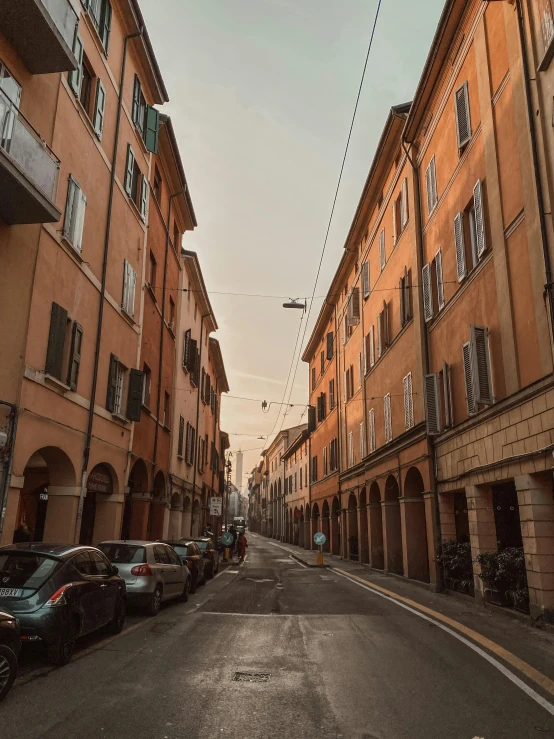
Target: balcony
x: 28, y: 171
x: 41, y: 32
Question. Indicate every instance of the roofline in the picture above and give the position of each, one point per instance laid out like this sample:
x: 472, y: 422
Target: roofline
x: 300, y: 439
x: 446, y: 30
x: 166, y: 121
x: 214, y: 343
x: 397, y: 112
x: 164, y: 95
x: 193, y: 256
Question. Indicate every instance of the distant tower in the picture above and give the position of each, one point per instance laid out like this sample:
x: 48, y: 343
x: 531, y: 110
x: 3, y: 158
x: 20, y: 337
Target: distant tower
x: 238, y: 470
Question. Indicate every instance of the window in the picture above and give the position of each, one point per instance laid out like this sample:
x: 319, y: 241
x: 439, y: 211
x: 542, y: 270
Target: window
x: 404, y: 207
x: 408, y: 402
x: 388, y: 418
x: 75, y: 77
x: 321, y: 407
x: 145, y: 118
x: 322, y: 362
x: 427, y: 287
x: 176, y: 237
x: 469, y: 234
x: 136, y: 184
x: 371, y: 417
x: 431, y: 181
x: 382, y: 251
x: 349, y: 383
x: 333, y: 454
x: 301, y: 478
x: 157, y: 189
x: 63, y: 335
x: 360, y: 372
x: 362, y: 440
x: 100, y: 12
x: 370, y: 346
x: 439, y: 281
x: 146, y: 386
x: 365, y: 281
x: 325, y: 465
x: 129, y: 284
x: 405, y: 297
x: 353, y: 312
x: 190, y: 444
x: 295, y: 482
x: 87, y: 83
x: 382, y: 330
x: 313, y: 378
x: 75, y: 355
x: 330, y: 347
x: 152, y: 271
x: 432, y: 408
x: 171, y: 314
x: 463, y: 116
x: 116, y: 377
x: 167, y: 410
x: 477, y: 369
x: 74, y: 219
x: 350, y: 449
x: 314, y: 469
x: 331, y: 394
x: 546, y: 19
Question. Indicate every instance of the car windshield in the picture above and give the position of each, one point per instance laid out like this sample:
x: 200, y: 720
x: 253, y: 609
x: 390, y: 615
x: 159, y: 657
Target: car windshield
x: 202, y: 545
x: 181, y: 549
x: 124, y: 554
x: 26, y: 570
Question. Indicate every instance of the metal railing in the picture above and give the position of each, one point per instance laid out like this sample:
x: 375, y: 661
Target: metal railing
x: 27, y: 149
x: 65, y: 18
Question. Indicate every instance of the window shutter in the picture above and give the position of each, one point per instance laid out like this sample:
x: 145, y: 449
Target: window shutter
x: 440, y: 283
x: 408, y: 402
x: 330, y: 348
x: 144, y: 197
x: 129, y: 285
x: 427, y: 292
x: 192, y: 358
x: 432, y: 412
x: 73, y: 190
x: 80, y: 220
x: 311, y: 419
x: 106, y: 25
x: 371, y: 346
x: 129, y: 170
x: 188, y: 443
x: 386, y: 337
x: 360, y: 371
x: 470, y: 397
x: 431, y: 181
x: 152, y: 129
x: 394, y: 221
x: 463, y: 117
x: 402, y: 302
x: 388, y: 419
x: 365, y: 280
x: 350, y: 449
x: 480, y: 365
x: 382, y: 251
x: 112, y: 383
x: 355, y: 304
x: 345, y: 395
x: 344, y: 329
x: 364, y: 353
x: 407, y: 293
x: 447, y: 391
x: 460, y: 246
x: 75, y: 355
x: 181, y: 437
x: 372, y: 430
x: 76, y: 76
x: 379, y: 335
x: 319, y: 411
x: 479, y: 218
x: 404, y: 213
x: 134, y: 396
x: 186, y: 349
x: 99, y: 109
x: 362, y: 441
x: 136, y: 99
x: 56, y: 341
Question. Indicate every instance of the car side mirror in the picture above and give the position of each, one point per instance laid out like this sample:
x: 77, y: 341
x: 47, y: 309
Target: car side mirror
x: 115, y: 570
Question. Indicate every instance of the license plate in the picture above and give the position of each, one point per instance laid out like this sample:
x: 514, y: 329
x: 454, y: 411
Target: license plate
x: 10, y: 592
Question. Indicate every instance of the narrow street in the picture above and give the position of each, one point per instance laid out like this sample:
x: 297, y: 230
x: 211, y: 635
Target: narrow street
x: 336, y: 660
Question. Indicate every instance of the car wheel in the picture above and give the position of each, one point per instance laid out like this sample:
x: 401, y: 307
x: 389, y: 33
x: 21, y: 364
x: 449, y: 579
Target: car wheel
x: 155, y: 602
x: 61, y: 652
x: 8, y: 669
x: 116, y: 626
x: 186, y: 590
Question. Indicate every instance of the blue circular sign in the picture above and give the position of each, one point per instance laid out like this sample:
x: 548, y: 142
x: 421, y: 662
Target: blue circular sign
x: 227, y: 539
x: 320, y: 539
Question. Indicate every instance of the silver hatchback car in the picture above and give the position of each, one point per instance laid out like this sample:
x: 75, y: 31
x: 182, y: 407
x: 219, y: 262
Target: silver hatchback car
x: 153, y: 572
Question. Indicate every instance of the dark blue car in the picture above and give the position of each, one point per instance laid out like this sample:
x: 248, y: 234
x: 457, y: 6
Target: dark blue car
x: 60, y: 592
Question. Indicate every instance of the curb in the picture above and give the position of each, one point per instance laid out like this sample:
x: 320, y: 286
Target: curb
x: 311, y: 566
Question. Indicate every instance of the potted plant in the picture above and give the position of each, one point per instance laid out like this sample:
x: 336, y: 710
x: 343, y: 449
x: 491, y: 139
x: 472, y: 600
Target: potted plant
x: 505, y: 577
x: 455, y: 559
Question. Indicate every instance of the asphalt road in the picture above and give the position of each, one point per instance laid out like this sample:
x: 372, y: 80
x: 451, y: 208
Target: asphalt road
x: 329, y: 660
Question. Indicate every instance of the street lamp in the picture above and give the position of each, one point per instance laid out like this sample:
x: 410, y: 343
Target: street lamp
x: 295, y: 304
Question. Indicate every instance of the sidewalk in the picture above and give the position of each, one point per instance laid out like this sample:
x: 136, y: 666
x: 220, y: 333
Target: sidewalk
x: 511, y: 631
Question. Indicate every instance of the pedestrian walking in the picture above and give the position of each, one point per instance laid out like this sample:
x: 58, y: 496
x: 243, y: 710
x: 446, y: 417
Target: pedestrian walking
x: 242, y: 544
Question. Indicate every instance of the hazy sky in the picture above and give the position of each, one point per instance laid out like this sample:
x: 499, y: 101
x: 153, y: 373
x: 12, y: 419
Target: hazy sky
x: 262, y: 93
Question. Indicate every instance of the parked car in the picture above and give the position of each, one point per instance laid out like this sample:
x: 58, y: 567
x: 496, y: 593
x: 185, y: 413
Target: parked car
x: 60, y: 592
x: 210, y: 554
x: 190, y: 554
x: 153, y: 572
x: 10, y: 646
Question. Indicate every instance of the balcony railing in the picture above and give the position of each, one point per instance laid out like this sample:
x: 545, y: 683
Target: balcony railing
x: 42, y: 32
x: 29, y: 170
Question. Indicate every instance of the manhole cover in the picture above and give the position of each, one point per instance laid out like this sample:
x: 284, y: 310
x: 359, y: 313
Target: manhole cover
x: 252, y: 677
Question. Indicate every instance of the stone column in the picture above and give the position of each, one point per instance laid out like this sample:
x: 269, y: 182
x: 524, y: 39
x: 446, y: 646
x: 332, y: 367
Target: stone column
x: 12, y: 509
x: 363, y: 534
x: 344, y: 532
x: 536, y: 512
x: 414, y: 538
x: 61, y: 514
x: 108, y: 518
x: 482, y: 528
x: 376, y: 548
x: 392, y: 536
x: 430, y: 518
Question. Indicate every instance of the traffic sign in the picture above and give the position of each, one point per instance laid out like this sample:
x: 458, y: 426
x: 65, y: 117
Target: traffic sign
x: 216, y: 505
x: 227, y: 539
x: 319, y: 539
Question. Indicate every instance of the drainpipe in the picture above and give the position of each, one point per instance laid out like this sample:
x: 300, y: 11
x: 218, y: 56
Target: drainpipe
x: 215, y: 425
x: 338, y: 386
x: 426, y: 361
x: 206, y: 315
x: 162, y: 330
x: 7, y: 476
x: 536, y: 171
x: 88, y: 438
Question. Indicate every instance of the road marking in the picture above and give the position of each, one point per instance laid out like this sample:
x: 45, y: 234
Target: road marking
x: 298, y: 562
x: 420, y: 610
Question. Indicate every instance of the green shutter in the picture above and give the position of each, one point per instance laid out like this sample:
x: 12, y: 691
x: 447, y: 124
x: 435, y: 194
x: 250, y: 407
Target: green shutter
x: 75, y: 355
x: 56, y: 341
x: 134, y: 398
x: 136, y: 99
x: 106, y: 25
x: 112, y: 382
x: 76, y: 76
x: 152, y: 129
x: 99, y: 109
x: 129, y: 170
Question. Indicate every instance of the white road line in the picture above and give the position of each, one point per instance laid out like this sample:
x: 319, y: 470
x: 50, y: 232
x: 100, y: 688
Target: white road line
x: 298, y: 562
x: 494, y: 662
